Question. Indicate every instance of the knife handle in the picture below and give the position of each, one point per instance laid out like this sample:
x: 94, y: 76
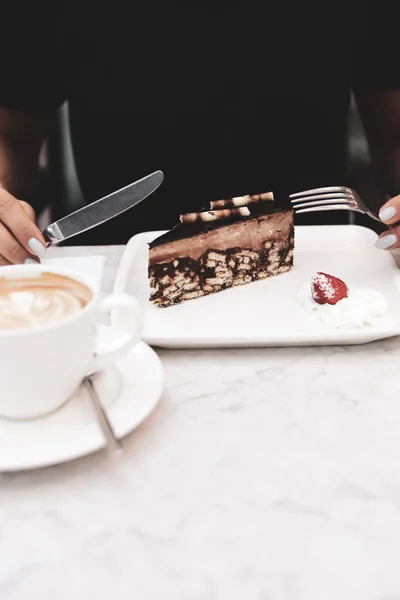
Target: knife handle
x: 52, y: 235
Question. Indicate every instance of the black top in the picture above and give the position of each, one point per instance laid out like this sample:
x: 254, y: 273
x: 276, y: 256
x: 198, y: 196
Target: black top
x: 226, y: 98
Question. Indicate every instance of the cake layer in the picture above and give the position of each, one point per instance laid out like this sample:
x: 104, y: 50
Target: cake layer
x: 216, y: 259
x: 250, y: 233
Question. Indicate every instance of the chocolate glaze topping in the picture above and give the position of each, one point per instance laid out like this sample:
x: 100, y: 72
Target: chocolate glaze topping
x: 185, y: 230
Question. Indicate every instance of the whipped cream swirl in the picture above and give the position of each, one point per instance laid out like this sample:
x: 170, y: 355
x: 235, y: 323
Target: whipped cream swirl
x: 360, y: 309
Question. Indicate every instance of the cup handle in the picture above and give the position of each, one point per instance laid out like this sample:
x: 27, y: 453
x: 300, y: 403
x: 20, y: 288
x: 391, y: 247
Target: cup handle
x: 110, y: 352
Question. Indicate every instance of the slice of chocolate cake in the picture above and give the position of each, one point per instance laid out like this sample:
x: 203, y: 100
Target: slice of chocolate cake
x: 238, y: 241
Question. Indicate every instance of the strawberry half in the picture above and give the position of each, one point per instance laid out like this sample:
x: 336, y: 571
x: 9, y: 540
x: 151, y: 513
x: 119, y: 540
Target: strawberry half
x: 327, y: 289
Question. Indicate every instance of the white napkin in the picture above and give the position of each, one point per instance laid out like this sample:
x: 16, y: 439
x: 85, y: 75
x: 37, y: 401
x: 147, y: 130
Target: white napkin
x: 91, y: 266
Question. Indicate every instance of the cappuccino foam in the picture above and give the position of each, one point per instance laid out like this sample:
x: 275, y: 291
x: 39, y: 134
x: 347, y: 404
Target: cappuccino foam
x: 29, y: 303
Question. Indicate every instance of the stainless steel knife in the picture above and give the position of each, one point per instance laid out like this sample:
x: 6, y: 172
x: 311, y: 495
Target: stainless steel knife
x: 102, y: 210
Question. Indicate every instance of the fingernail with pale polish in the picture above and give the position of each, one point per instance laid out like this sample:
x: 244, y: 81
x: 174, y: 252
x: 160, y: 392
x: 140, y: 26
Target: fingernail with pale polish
x: 387, y: 213
x: 36, y: 247
x: 386, y: 241
x: 31, y: 261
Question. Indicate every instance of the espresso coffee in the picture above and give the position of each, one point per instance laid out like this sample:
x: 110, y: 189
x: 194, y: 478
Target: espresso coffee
x: 30, y: 303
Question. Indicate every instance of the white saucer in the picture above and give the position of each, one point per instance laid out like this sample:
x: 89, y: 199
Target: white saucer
x: 128, y: 393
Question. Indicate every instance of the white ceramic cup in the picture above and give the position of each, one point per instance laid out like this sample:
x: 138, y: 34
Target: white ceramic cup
x: 41, y: 368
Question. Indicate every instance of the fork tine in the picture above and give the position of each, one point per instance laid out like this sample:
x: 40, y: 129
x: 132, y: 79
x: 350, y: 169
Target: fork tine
x: 322, y: 203
x: 323, y: 190
x: 330, y: 207
x: 338, y: 196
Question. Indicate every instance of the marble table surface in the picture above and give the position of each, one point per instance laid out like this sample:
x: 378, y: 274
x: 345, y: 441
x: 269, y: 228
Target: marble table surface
x: 263, y: 474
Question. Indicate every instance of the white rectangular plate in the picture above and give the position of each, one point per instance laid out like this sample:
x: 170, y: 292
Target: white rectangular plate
x: 268, y: 313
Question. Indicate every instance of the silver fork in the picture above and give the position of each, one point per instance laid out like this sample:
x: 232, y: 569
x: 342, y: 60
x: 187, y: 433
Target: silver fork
x: 330, y: 198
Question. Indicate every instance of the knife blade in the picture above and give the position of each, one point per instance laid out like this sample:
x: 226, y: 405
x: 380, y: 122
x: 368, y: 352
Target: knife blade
x: 102, y: 210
